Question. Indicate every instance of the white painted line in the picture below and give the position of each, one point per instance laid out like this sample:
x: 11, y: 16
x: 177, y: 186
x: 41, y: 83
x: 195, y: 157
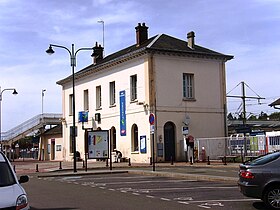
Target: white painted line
x: 183, y: 202
x: 206, y: 207
x: 232, y: 200
x: 150, y: 196
x: 135, y: 194
x: 187, y: 188
x: 123, y: 191
x: 165, y: 199
x: 102, y: 188
x: 112, y: 189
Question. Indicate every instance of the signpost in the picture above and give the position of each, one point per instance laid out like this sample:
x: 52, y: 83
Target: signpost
x: 152, y: 132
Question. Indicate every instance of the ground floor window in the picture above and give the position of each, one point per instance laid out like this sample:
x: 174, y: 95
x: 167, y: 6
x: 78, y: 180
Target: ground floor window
x: 134, y: 138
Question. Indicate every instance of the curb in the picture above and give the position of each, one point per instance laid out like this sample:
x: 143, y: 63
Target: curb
x: 196, y: 177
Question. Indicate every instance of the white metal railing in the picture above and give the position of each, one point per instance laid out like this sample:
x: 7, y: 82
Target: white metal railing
x: 38, y: 120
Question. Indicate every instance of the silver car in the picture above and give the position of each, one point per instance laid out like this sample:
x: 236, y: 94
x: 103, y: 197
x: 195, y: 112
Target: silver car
x: 260, y: 178
x: 12, y: 195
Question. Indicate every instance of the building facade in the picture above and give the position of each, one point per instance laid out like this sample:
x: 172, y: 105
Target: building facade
x: 180, y: 83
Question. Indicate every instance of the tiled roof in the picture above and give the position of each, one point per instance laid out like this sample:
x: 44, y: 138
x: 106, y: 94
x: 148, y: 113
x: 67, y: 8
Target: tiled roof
x: 160, y: 43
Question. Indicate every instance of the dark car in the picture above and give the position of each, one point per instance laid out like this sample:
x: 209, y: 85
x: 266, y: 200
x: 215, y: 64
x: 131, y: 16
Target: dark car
x: 260, y: 178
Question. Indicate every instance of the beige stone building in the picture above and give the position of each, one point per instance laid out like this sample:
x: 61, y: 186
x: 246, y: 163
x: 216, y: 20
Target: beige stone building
x: 181, y: 83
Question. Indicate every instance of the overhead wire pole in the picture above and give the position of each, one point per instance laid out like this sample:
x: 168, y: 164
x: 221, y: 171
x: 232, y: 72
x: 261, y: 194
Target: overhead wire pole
x: 243, y: 114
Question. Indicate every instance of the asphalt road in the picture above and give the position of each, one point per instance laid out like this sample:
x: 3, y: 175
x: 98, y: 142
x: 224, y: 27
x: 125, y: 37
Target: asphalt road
x: 130, y: 191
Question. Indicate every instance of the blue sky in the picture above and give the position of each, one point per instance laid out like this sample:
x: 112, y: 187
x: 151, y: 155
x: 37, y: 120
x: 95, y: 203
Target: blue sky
x: 249, y: 30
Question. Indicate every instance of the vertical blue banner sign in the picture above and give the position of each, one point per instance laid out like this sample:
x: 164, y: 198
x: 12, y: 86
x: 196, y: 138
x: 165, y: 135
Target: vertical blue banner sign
x: 122, y: 113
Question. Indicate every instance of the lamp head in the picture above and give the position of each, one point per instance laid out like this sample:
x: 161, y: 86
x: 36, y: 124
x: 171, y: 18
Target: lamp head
x: 50, y: 51
x: 15, y: 92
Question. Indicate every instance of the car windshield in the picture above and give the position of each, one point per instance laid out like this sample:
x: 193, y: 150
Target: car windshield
x: 6, y: 175
x: 264, y: 159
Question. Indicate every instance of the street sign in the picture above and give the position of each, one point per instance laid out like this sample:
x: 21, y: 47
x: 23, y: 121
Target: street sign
x: 152, y: 119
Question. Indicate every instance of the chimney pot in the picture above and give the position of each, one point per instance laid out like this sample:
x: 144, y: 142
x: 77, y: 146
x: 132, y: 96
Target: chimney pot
x: 190, y: 37
x: 141, y: 34
x: 97, y: 53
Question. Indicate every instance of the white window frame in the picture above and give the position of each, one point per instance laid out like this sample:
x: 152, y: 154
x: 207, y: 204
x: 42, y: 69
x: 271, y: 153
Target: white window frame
x: 133, y: 87
x: 86, y: 101
x: 98, y: 97
x: 112, y: 93
x: 71, y: 103
x: 188, y: 86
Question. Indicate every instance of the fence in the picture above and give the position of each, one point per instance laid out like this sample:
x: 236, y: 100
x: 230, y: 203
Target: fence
x: 216, y: 148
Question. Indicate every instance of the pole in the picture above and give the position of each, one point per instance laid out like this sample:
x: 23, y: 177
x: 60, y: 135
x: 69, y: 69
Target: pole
x: 1, y: 120
x: 73, y: 64
x: 153, y: 152
x: 244, y: 117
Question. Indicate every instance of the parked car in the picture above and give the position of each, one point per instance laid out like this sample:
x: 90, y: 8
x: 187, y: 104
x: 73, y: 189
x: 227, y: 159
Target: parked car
x: 12, y: 194
x: 260, y: 178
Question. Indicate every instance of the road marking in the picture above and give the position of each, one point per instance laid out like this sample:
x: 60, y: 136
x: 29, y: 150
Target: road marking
x: 183, y: 202
x: 165, y: 199
x: 112, y: 189
x: 184, y: 199
x: 135, y: 194
x: 228, y: 200
x: 150, y: 196
x: 187, y: 188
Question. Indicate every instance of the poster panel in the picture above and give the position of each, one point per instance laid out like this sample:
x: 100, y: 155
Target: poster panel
x: 98, y: 144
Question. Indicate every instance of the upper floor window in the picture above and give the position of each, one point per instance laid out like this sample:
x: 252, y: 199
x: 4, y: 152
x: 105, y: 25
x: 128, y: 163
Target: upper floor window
x: 98, y: 97
x: 71, y: 103
x: 188, y: 86
x: 86, y: 103
x: 133, y: 87
x: 112, y: 93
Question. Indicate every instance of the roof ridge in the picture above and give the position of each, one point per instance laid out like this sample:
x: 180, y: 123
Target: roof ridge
x: 155, y: 39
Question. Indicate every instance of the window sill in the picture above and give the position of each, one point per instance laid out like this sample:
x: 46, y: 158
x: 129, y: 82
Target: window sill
x: 113, y: 105
x: 134, y: 101
x: 135, y: 152
x: 189, y: 99
x: 97, y: 109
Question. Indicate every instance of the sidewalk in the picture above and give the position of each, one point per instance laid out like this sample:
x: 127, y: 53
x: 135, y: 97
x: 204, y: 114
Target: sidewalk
x: 216, y: 171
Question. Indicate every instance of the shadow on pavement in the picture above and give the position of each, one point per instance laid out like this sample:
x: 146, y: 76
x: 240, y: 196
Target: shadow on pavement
x: 260, y: 205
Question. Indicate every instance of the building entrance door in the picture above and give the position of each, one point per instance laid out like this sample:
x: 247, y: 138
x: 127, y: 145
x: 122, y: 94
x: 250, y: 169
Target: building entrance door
x: 169, y: 141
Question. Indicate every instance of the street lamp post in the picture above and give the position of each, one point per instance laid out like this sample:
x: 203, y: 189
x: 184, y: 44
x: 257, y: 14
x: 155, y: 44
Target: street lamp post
x: 1, y: 93
x: 43, y: 94
x: 72, y: 54
x: 103, y: 27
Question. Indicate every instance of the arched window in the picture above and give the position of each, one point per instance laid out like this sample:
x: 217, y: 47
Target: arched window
x: 134, y: 138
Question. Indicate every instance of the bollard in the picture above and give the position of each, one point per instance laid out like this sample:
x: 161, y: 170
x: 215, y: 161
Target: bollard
x: 15, y: 168
x: 171, y: 160
x: 107, y: 163
x: 151, y: 162
x: 225, y: 160
x: 191, y: 160
x: 37, y: 168
x: 129, y: 163
x: 83, y: 164
x: 60, y: 165
x: 208, y: 160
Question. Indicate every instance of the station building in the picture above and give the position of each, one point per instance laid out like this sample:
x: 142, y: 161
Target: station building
x: 180, y: 83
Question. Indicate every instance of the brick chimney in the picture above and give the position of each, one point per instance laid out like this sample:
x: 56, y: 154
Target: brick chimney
x: 141, y: 33
x: 190, y: 37
x: 97, y: 53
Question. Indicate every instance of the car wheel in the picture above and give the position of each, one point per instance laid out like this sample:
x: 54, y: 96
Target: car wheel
x: 272, y: 197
